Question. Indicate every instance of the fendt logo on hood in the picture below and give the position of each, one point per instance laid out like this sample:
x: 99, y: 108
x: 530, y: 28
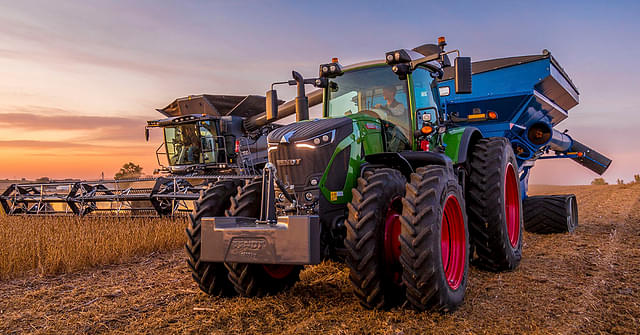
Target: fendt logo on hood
x: 289, y: 162
x: 285, y: 138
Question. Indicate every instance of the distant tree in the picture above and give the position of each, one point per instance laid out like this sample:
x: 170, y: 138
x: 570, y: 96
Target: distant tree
x: 599, y: 181
x: 43, y: 180
x: 620, y: 182
x: 129, y: 170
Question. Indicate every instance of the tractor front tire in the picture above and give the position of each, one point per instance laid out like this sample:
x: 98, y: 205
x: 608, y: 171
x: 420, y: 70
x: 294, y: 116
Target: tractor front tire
x: 257, y: 279
x: 435, y: 240
x: 372, y: 241
x: 550, y: 214
x: 494, y: 205
x: 211, y: 277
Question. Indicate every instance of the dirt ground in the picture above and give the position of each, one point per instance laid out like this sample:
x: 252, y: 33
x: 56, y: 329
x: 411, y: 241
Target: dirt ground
x: 588, y: 282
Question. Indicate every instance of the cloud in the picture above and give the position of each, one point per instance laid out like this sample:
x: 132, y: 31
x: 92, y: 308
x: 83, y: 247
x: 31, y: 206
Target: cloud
x: 56, y: 121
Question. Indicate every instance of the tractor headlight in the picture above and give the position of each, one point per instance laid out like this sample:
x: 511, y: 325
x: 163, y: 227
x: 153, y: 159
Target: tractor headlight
x: 317, y: 141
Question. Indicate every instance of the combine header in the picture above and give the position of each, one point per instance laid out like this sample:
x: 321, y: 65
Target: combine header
x: 206, y: 138
x: 409, y: 177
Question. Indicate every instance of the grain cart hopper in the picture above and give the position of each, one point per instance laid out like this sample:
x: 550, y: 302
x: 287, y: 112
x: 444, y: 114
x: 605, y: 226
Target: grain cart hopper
x: 204, y: 140
x: 389, y: 180
x: 523, y: 99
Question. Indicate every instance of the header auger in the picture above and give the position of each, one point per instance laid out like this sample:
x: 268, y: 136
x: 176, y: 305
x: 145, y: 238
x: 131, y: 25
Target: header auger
x: 416, y: 168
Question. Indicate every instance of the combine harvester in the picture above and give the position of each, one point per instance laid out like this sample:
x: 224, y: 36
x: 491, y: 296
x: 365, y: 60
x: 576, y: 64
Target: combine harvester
x: 409, y: 176
x: 205, y: 139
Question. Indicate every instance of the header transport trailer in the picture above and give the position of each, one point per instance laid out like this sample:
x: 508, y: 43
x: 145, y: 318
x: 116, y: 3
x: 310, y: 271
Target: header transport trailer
x: 409, y: 175
x: 204, y: 139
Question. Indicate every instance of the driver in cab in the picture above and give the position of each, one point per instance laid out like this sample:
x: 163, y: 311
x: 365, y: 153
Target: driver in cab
x: 393, y: 106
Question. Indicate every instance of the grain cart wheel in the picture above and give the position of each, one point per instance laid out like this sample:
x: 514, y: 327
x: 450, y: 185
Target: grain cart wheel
x: 211, y: 277
x: 257, y: 279
x: 494, y: 205
x: 435, y: 240
x: 373, y: 230
x: 549, y: 214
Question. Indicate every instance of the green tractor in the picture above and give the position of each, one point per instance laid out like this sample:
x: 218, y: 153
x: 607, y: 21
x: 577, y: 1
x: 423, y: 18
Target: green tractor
x: 384, y: 181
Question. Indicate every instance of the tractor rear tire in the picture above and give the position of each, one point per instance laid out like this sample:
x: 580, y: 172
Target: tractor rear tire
x: 211, y: 277
x: 551, y: 214
x: 372, y: 240
x: 494, y: 205
x: 435, y: 240
x: 257, y: 279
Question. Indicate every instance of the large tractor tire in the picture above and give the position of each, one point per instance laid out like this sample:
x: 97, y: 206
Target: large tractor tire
x: 211, y: 277
x: 494, y: 205
x: 435, y: 240
x: 372, y: 241
x: 257, y: 279
x: 550, y: 214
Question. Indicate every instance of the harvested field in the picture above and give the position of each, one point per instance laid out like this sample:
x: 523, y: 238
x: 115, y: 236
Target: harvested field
x: 588, y: 282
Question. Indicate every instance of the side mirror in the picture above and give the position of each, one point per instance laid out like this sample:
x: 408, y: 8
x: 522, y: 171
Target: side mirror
x: 146, y: 134
x: 272, y: 105
x: 463, y: 75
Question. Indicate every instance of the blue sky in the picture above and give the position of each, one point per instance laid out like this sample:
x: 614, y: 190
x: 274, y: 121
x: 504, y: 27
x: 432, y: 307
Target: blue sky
x: 119, y: 60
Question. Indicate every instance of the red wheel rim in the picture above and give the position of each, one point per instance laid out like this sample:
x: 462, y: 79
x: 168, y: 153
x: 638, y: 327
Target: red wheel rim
x: 277, y: 271
x: 392, y: 229
x: 453, y: 242
x: 512, y: 205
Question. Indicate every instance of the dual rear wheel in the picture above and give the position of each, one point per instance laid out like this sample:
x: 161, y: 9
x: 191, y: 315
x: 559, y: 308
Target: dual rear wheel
x: 408, y: 241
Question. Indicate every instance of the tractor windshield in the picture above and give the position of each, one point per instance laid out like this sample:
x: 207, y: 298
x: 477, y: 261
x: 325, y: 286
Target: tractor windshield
x: 374, y: 91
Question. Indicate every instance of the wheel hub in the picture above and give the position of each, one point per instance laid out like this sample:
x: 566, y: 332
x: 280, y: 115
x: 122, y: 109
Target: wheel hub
x: 511, y: 205
x: 392, y: 246
x: 453, y: 242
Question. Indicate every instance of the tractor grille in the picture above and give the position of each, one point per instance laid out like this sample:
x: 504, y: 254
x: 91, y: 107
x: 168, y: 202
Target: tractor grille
x: 297, y: 165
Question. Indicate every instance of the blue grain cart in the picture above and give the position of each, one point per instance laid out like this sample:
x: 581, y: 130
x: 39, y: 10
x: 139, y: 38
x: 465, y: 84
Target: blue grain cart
x: 523, y: 99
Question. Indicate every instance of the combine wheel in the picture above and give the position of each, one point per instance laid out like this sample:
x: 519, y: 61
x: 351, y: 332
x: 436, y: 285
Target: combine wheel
x: 257, y: 279
x: 435, y: 240
x: 211, y: 277
x: 494, y: 205
x: 373, y: 230
x: 549, y: 214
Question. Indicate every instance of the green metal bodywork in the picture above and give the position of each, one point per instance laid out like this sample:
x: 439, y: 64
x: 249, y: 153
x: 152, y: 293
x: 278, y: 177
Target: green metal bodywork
x: 367, y: 138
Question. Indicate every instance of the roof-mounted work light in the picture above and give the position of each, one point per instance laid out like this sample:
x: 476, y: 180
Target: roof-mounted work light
x: 331, y: 70
x: 397, y: 57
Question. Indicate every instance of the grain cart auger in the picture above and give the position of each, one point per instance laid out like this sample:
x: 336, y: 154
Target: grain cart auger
x: 393, y: 179
x: 205, y: 140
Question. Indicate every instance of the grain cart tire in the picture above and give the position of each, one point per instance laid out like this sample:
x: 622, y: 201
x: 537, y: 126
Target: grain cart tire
x: 435, y: 240
x: 211, y: 277
x: 372, y: 241
x: 550, y: 214
x: 257, y: 279
x: 494, y: 205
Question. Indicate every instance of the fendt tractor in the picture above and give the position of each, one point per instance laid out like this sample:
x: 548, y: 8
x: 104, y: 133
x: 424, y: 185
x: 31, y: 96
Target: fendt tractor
x: 205, y: 139
x: 409, y: 177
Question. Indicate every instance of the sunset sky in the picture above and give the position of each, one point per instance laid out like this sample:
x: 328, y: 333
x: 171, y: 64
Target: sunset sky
x: 79, y: 78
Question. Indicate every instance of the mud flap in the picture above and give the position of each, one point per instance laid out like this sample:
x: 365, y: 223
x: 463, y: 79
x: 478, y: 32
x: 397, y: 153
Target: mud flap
x: 293, y: 240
